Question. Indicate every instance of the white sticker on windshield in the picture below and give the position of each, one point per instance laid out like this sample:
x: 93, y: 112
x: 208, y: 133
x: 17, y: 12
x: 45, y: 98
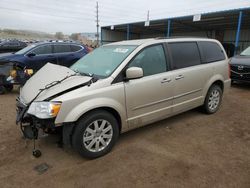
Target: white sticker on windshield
x: 121, y: 50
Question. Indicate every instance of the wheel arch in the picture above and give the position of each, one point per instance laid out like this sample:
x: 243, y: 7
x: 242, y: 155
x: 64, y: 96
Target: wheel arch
x: 109, y: 105
x: 216, y: 79
x: 107, y: 109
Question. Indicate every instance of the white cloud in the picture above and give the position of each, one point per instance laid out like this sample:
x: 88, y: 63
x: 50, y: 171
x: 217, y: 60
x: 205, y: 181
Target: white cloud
x: 71, y: 16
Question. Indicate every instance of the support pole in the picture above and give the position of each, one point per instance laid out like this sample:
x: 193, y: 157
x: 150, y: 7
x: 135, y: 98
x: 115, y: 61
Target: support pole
x: 97, y: 23
x: 128, y: 32
x: 237, y: 38
x: 169, y: 25
x: 101, y: 36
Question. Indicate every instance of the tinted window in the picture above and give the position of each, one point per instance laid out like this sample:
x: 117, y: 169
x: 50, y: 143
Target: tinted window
x: 184, y: 54
x: 211, y: 51
x: 151, y: 60
x: 61, y: 48
x: 46, y: 49
x: 13, y: 44
x: 75, y: 48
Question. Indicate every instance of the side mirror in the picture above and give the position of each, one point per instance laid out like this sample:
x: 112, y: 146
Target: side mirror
x: 133, y: 73
x: 31, y: 54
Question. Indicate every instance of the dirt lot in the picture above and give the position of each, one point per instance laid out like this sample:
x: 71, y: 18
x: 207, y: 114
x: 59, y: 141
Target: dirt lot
x: 189, y: 150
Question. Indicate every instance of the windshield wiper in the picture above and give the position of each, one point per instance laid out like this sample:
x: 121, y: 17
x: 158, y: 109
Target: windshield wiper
x: 95, y: 77
x: 51, y: 85
x: 58, y: 82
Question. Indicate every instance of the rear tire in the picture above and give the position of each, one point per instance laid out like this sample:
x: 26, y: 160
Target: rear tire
x: 213, y: 99
x: 95, y: 134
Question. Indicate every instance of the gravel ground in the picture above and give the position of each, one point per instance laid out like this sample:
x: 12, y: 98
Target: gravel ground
x: 188, y: 150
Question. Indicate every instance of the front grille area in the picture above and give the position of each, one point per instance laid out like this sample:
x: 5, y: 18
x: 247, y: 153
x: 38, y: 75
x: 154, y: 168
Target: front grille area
x: 240, y: 69
x: 240, y: 72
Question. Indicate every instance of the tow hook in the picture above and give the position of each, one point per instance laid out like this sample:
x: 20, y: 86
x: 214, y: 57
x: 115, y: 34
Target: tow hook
x: 31, y: 132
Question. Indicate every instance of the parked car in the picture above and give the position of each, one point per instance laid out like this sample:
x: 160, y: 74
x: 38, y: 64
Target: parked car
x: 240, y: 67
x: 123, y: 86
x: 12, y: 45
x: 36, y: 56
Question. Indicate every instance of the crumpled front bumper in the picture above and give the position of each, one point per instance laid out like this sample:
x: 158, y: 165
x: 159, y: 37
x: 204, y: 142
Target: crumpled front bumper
x: 30, y: 125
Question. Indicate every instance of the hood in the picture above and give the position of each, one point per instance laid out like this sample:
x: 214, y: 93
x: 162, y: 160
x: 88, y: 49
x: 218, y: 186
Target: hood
x: 240, y: 60
x: 4, y: 54
x: 9, y: 57
x: 46, y: 75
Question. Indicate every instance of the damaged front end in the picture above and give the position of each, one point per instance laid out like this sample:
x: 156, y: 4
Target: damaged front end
x: 30, y: 124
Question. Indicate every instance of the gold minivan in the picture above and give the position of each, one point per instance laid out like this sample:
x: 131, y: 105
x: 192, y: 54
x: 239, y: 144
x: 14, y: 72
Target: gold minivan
x: 123, y: 86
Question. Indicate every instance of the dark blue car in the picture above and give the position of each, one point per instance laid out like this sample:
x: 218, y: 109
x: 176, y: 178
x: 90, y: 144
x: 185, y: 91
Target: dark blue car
x: 36, y: 56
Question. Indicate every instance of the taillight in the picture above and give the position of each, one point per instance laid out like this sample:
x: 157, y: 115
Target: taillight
x: 229, y: 71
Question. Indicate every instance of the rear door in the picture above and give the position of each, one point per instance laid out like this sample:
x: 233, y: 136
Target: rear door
x: 189, y: 75
x: 78, y: 52
x: 64, y: 54
x: 149, y: 98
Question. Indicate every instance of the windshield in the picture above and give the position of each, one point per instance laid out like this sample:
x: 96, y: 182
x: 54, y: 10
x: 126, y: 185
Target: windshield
x: 103, y: 60
x: 246, y: 51
x: 26, y: 49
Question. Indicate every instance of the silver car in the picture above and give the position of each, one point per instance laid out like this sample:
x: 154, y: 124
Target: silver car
x: 123, y: 86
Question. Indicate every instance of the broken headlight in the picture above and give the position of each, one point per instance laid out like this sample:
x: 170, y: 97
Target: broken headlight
x: 44, y: 110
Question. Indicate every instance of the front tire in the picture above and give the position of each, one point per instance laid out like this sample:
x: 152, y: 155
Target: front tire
x: 213, y: 99
x: 95, y: 134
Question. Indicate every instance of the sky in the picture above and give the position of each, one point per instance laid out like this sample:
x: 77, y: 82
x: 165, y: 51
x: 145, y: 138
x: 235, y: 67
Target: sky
x: 74, y: 16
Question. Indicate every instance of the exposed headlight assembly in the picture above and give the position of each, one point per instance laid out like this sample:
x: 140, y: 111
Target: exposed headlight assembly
x: 44, y: 110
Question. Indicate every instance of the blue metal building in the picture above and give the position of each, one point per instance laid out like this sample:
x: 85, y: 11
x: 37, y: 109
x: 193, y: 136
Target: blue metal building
x: 230, y: 27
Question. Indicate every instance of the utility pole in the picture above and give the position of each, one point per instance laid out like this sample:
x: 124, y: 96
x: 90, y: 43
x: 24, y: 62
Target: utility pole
x: 97, y: 23
x: 147, y: 21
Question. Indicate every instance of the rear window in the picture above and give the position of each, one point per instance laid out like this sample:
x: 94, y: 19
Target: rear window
x: 211, y: 51
x: 62, y: 48
x: 75, y: 48
x: 184, y: 54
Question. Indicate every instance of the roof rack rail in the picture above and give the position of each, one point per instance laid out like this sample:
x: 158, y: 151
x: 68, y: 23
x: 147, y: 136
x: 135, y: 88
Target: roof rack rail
x: 158, y: 38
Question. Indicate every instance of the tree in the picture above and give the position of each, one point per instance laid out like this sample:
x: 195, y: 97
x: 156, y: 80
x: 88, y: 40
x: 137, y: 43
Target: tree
x: 74, y: 36
x: 59, y: 35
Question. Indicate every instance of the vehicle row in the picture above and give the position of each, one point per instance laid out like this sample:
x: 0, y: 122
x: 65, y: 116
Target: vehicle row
x: 13, y: 66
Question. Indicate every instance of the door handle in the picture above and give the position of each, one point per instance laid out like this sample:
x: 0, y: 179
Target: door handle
x: 179, y: 77
x: 164, y: 80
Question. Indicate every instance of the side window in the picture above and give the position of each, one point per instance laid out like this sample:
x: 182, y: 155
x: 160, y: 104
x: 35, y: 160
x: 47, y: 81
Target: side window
x: 184, y: 54
x: 46, y: 49
x: 61, y: 48
x: 152, y: 60
x: 75, y: 48
x: 211, y: 51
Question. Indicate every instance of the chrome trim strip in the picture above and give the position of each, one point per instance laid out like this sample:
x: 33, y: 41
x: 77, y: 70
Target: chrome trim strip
x: 165, y: 100
x: 188, y: 93
x: 239, y: 73
x: 153, y: 103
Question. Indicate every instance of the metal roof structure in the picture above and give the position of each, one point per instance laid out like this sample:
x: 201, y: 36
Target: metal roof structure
x: 234, y: 19
x: 210, y: 20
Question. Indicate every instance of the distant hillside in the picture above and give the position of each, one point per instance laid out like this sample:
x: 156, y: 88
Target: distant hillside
x: 24, y: 34
x: 90, y: 36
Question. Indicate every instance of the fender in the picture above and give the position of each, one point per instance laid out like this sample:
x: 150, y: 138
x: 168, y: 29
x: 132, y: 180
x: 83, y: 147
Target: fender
x: 92, y: 104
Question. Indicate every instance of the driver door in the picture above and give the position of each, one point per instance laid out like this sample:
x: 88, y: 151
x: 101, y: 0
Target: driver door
x: 150, y: 98
x: 40, y: 56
